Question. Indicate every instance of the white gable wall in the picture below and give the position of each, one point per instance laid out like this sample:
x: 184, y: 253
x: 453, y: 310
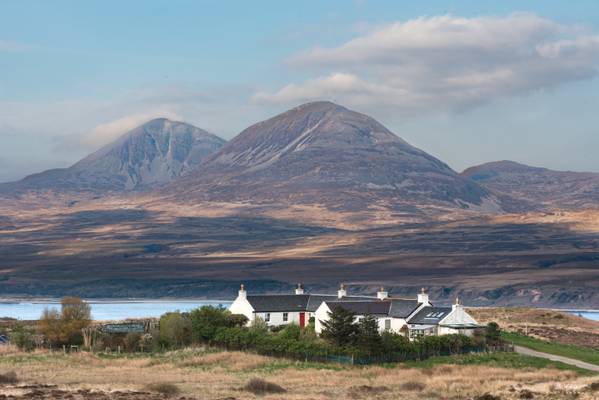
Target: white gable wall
x: 242, y: 306
x: 321, y: 314
x: 458, y: 316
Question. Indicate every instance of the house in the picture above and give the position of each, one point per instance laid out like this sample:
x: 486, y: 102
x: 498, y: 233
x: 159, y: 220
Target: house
x: 283, y: 309
x: 442, y: 321
x: 412, y: 317
x: 392, y: 314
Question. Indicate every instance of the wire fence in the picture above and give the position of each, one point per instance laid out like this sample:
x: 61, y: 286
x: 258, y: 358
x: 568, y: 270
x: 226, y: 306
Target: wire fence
x: 378, y: 359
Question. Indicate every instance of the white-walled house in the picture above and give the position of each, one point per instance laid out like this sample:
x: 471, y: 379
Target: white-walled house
x: 392, y: 314
x: 283, y: 309
x: 414, y: 317
x: 442, y: 321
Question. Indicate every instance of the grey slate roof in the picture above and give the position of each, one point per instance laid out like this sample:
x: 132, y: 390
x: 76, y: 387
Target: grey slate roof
x: 294, y: 302
x: 430, y: 315
x: 396, y: 308
x: 401, y: 308
x: 279, y: 302
x: 372, y: 307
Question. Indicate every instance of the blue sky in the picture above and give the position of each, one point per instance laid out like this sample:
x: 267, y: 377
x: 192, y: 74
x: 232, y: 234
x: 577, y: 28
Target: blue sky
x: 467, y: 81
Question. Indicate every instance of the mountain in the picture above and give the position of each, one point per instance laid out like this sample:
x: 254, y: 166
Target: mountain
x: 323, y: 153
x: 538, y: 185
x: 151, y: 154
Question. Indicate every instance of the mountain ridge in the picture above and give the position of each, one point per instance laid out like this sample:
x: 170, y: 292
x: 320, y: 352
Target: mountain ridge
x: 323, y: 153
x: 151, y: 154
x: 543, y: 186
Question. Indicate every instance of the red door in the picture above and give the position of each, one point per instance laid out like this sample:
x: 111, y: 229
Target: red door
x: 302, y: 319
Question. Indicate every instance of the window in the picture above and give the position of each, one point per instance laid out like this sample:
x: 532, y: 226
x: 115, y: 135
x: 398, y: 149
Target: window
x: 267, y: 317
x: 387, y: 324
x: 285, y: 317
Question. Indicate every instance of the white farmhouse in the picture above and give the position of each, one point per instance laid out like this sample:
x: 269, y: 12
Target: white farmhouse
x: 442, y: 321
x: 392, y: 314
x: 283, y: 309
x: 413, y: 317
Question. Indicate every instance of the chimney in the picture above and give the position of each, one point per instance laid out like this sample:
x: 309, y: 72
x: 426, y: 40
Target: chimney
x: 456, y: 305
x: 341, y: 292
x: 382, y: 294
x: 299, y: 289
x: 242, y: 292
x: 423, y: 297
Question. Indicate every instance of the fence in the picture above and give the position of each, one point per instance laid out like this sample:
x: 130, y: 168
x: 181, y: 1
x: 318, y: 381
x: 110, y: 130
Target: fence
x: 370, y: 360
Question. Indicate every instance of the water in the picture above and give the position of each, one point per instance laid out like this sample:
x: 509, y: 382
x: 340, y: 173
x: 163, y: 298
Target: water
x: 107, y: 310
x: 594, y: 315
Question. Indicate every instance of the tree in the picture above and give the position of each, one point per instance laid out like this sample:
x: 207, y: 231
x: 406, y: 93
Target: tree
x: 340, y: 329
x: 493, y: 333
x: 75, y: 316
x: 368, y: 337
x: 175, y: 329
x: 206, y: 320
x: 65, y: 327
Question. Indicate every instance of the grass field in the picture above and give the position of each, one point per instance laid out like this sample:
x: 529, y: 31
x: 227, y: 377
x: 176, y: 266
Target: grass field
x: 567, y: 350
x: 205, y: 374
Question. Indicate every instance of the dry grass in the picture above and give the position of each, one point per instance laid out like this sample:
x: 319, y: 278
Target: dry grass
x: 543, y: 324
x: 221, y: 375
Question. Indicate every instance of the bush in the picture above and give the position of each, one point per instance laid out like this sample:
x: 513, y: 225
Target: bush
x: 206, y: 320
x: 260, y: 386
x: 9, y: 378
x: 164, y: 388
x: 493, y: 334
x: 22, y: 337
x: 131, y: 341
x: 175, y: 329
x: 412, y: 386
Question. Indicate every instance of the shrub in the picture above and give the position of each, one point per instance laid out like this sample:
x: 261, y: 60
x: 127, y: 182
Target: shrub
x: 22, y: 337
x: 412, y: 386
x: 493, y: 333
x: 131, y: 341
x: 9, y: 378
x: 487, y: 396
x: 164, y: 388
x: 206, y: 320
x: 291, y: 332
x: 526, y: 394
x: 175, y: 329
x: 260, y: 386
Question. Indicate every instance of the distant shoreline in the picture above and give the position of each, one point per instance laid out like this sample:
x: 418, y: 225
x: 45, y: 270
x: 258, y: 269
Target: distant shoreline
x: 56, y: 300
x: 51, y: 300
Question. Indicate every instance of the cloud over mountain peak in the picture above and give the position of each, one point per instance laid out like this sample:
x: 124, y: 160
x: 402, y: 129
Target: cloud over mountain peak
x: 445, y: 62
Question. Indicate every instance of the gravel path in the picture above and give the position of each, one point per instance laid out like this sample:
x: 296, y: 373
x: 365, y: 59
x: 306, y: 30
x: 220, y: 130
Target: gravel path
x: 566, y: 360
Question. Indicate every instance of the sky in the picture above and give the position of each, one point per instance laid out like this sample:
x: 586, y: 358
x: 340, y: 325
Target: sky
x: 467, y: 81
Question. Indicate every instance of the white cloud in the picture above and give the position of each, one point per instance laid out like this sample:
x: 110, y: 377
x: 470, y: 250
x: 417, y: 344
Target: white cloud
x: 444, y: 62
x: 110, y: 131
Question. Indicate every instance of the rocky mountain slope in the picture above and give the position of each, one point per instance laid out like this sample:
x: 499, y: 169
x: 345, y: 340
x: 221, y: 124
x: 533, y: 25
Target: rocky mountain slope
x: 149, y: 155
x: 322, y: 153
x: 542, y: 186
